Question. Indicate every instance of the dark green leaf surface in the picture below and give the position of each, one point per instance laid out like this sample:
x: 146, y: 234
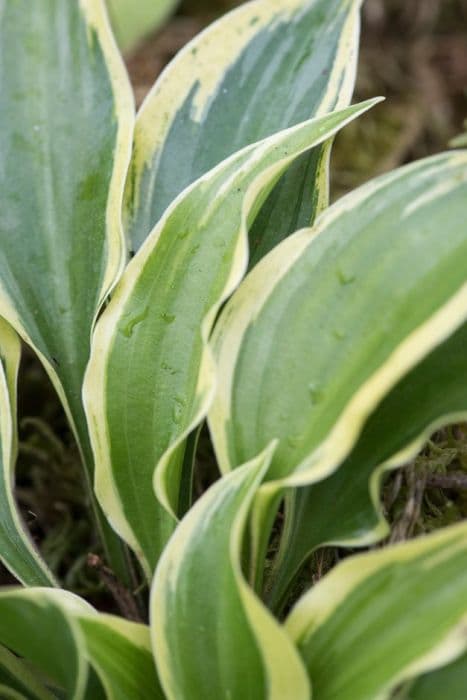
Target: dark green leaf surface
x: 65, y: 142
x: 449, y: 682
x: 345, y: 508
x: 65, y: 135
x: 150, y: 379
x: 328, y: 323
x: 17, y: 551
x: 212, y: 637
x: 266, y: 66
x: 381, y: 618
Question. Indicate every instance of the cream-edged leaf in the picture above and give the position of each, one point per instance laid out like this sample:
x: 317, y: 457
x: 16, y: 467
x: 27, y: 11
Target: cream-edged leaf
x: 332, y: 319
x: 35, y: 625
x: 450, y: 681
x: 327, y: 323
x: 382, y: 618
x: 150, y: 378
x: 345, y: 508
x: 81, y: 653
x: 17, y: 551
x: 212, y: 637
x: 120, y: 652
x: 266, y: 66
x: 65, y: 143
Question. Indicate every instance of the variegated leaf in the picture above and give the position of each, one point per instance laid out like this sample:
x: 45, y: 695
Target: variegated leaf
x: 345, y: 508
x: 450, y: 681
x: 333, y: 318
x: 150, y: 378
x: 17, y: 551
x: 65, y: 142
x: 35, y: 626
x: 212, y: 637
x: 266, y: 66
x: 382, y: 618
x: 83, y: 654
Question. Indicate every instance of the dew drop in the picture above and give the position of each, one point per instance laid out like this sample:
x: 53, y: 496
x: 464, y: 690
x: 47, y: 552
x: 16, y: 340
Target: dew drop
x: 168, y: 368
x: 338, y: 334
x: 177, y: 414
x: 168, y: 318
x: 316, y: 394
x: 294, y: 440
x: 344, y: 276
x: 134, y: 320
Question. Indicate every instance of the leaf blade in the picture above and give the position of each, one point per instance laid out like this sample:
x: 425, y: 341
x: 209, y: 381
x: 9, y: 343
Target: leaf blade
x: 155, y: 330
x: 345, y: 509
x: 199, y: 589
x: 414, y: 591
x: 181, y: 131
x: 17, y: 551
x: 280, y: 300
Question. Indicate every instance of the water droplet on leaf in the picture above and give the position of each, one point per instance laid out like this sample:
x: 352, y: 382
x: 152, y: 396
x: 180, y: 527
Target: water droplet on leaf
x: 344, y: 276
x: 316, y: 393
x: 134, y: 320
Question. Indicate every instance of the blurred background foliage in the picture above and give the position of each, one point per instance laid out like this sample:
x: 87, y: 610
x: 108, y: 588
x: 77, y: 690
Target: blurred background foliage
x: 414, y: 52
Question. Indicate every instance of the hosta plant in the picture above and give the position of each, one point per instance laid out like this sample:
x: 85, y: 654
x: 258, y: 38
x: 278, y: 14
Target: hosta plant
x: 184, y: 268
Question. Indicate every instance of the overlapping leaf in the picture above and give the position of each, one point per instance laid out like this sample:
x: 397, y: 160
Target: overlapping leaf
x: 328, y: 323
x: 150, y: 377
x: 65, y: 141
x: 345, y: 508
x: 120, y: 652
x: 81, y: 653
x: 35, y: 626
x: 450, y: 681
x: 379, y: 619
x: 212, y: 637
x: 17, y: 551
x: 17, y: 681
x: 268, y: 65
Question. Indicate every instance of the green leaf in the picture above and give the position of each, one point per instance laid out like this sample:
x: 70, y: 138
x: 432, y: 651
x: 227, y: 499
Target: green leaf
x: 330, y: 321
x: 17, y: 552
x: 268, y: 65
x: 84, y: 654
x: 150, y: 378
x: 212, y: 637
x: 65, y: 143
x: 345, y: 509
x: 365, y: 295
x: 447, y: 682
x: 35, y: 626
x: 382, y: 618
x: 132, y: 20
x: 17, y: 681
x: 120, y: 652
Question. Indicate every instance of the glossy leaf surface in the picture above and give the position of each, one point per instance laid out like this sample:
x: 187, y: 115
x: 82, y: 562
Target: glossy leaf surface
x: 151, y: 378
x: 266, y: 66
x: 212, y: 637
x: 415, y: 593
x: 327, y: 324
x: 17, y: 551
x: 345, y: 508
